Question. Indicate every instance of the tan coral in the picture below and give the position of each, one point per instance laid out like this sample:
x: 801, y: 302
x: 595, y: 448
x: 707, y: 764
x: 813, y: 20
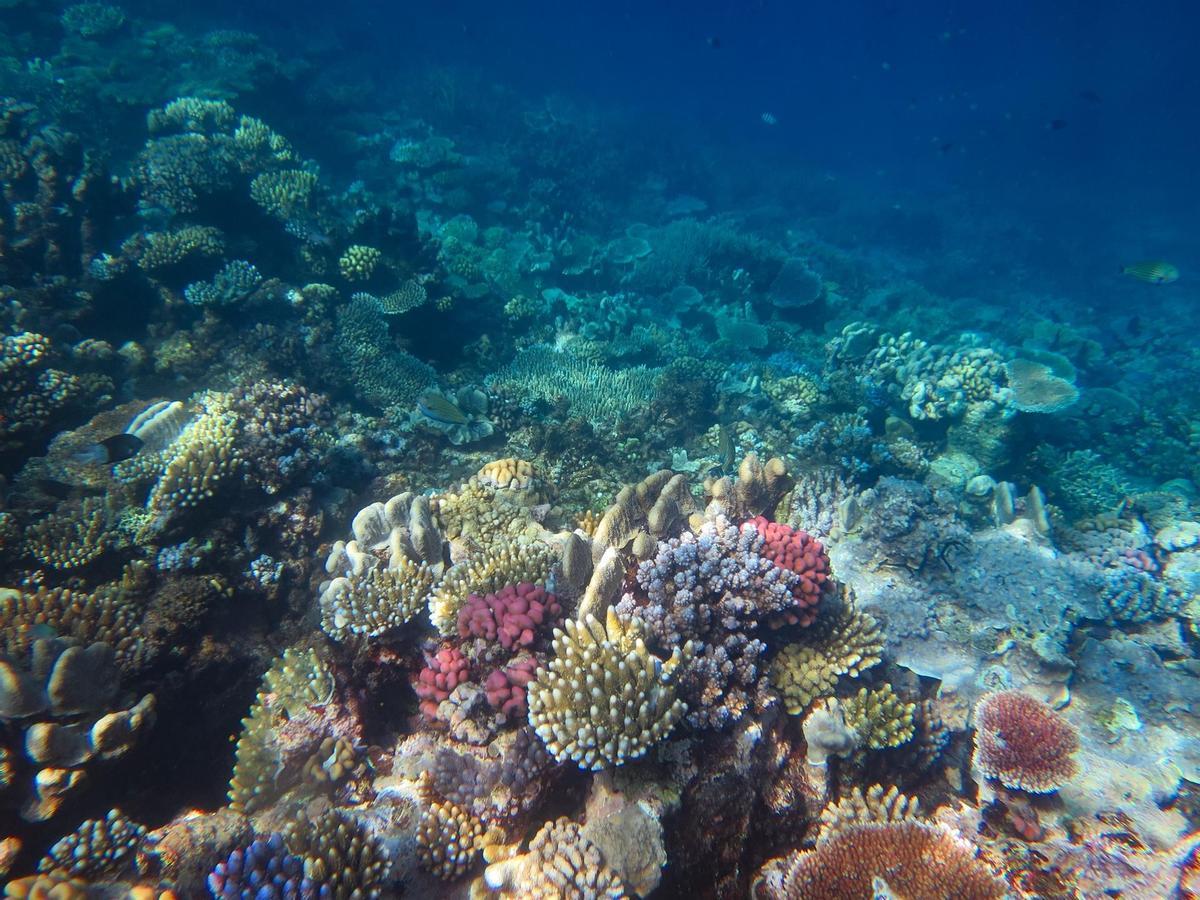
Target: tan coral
x: 72, y: 537
x: 283, y: 193
x: 339, y: 856
x: 296, y: 680
x: 358, y: 262
x: 561, y: 864
x: 200, y: 460
x: 106, y: 616
x: 604, y: 698
x: 448, y: 840
x: 509, y: 473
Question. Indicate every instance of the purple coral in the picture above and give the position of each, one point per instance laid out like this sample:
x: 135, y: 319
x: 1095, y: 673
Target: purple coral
x: 444, y: 671
x: 714, y: 589
x: 264, y: 871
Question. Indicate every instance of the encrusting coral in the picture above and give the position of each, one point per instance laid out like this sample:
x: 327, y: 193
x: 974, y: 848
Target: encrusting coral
x: 604, y: 698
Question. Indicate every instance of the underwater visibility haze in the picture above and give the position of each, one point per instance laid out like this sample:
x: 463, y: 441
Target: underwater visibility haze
x: 599, y: 450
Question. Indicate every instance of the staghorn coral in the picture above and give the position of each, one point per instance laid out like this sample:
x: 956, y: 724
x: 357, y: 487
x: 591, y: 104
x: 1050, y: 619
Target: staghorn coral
x: 448, y: 840
x: 880, y: 718
x: 592, y: 391
x: 1023, y: 743
x: 110, y: 847
x: 842, y: 641
x: 714, y: 589
x: 381, y: 374
x: 376, y: 600
x: 561, y: 864
x: 604, y: 699
x: 901, y: 859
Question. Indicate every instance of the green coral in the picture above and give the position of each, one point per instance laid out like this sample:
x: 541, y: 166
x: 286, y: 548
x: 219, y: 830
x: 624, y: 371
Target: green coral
x: 844, y: 642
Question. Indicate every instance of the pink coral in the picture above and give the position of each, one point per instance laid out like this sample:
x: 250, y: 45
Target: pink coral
x: 513, y: 615
x: 1023, y: 743
x: 505, y: 687
x: 801, y: 553
x: 444, y: 671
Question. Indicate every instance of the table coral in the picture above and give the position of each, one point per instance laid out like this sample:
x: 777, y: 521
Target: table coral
x: 909, y: 859
x: 604, y: 698
x: 1023, y: 743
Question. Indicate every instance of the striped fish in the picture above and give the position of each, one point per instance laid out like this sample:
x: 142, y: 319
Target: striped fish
x: 1152, y: 271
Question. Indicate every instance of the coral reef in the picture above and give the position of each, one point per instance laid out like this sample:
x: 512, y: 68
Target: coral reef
x: 1023, y: 743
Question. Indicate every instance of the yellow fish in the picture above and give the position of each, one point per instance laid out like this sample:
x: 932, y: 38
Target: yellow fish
x: 1153, y: 271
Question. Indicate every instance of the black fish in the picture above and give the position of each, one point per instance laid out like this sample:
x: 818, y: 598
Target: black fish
x: 111, y: 450
x: 1057, y: 124
x: 1091, y: 97
x: 121, y: 446
x: 714, y: 42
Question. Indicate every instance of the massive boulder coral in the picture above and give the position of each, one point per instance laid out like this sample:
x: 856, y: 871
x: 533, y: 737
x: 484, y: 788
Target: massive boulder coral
x: 604, y: 698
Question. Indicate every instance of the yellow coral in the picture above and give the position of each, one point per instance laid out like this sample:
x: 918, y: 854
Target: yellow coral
x: 168, y: 248
x: 283, y: 193
x: 358, y: 262
x: 448, y: 840
x: 375, y: 600
x: 842, y: 642
x: 880, y: 718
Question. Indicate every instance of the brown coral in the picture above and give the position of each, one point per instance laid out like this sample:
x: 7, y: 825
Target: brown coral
x: 1023, y: 743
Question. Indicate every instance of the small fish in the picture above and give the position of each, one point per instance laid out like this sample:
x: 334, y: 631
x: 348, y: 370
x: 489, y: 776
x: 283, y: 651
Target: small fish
x: 725, y: 453
x: 1152, y: 271
x: 714, y: 42
x: 111, y: 450
x: 1091, y: 97
x: 441, y: 409
x: 769, y: 119
x: 1056, y: 124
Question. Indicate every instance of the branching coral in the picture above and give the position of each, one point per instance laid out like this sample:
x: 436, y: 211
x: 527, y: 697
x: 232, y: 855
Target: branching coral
x: 1023, y: 743
x: 448, y: 840
x: 714, y: 589
x: 375, y: 601
x: 561, y: 864
x: 842, y: 641
x: 97, y: 848
x: 604, y: 698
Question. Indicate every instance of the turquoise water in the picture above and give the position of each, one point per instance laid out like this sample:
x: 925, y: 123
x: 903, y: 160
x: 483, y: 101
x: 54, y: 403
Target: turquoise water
x: 607, y: 450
